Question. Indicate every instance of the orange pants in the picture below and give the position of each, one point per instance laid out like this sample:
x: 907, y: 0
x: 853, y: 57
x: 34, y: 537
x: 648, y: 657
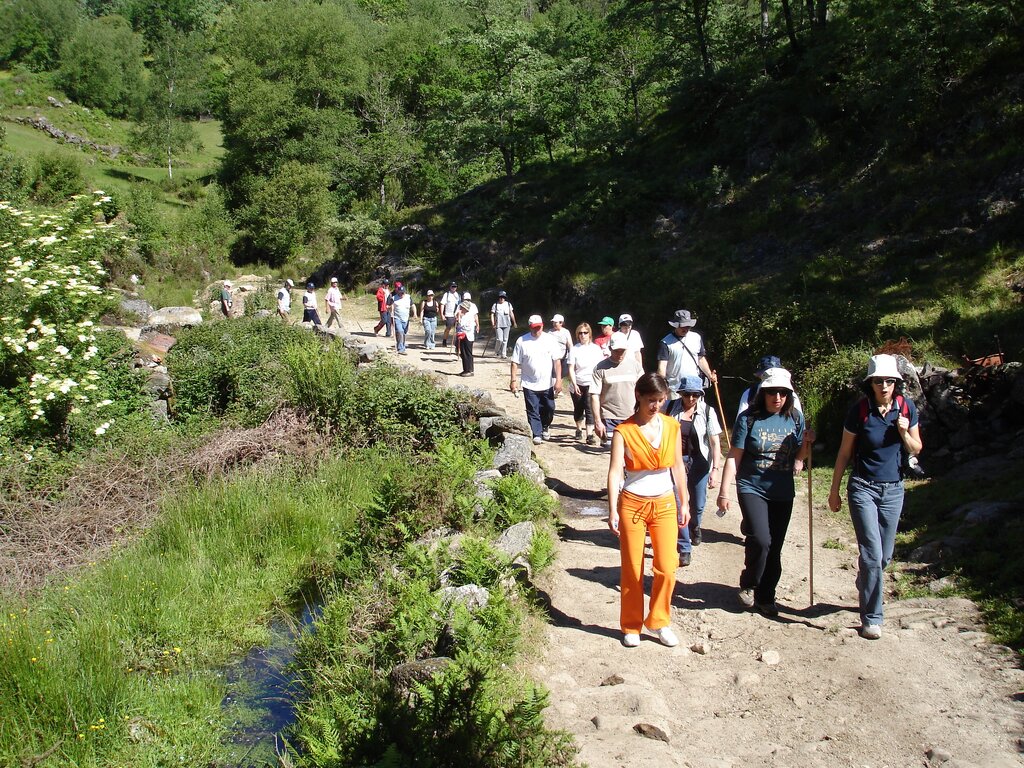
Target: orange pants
x: 638, y: 514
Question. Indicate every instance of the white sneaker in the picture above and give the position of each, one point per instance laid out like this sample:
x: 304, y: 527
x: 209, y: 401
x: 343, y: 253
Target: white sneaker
x: 631, y: 640
x: 871, y: 631
x: 747, y: 597
x: 667, y: 637
x: 546, y: 434
x: 538, y: 440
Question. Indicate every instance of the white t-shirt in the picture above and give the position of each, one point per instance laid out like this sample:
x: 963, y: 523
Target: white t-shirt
x: 563, y: 341
x: 450, y: 302
x: 634, y: 342
x: 333, y: 298
x: 402, y: 306
x: 582, y: 359
x: 502, y: 311
x: 535, y: 358
x: 284, y: 299
x: 681, y: 354
x: 467, y: 322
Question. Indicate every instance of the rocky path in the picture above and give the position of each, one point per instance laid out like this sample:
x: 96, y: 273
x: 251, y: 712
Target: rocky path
x: 741, y: 689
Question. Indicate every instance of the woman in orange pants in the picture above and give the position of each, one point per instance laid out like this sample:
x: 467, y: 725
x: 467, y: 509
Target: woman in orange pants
x: 642, y: 499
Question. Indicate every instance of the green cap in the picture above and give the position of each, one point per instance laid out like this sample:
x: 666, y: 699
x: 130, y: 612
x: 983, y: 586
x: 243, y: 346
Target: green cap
x: 606, y: 321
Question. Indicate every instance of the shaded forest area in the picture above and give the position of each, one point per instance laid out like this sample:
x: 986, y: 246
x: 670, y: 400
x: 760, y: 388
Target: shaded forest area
x: 813, y: 179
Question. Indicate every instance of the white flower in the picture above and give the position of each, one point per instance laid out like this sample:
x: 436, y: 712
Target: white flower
x: 60, y: 349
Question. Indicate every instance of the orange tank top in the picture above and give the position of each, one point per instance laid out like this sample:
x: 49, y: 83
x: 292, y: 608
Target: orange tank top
x: 644, y: 456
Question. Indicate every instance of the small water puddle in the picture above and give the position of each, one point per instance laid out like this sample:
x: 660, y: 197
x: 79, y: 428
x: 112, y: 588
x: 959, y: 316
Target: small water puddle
x: 584, y: 507
x: 261, y: 689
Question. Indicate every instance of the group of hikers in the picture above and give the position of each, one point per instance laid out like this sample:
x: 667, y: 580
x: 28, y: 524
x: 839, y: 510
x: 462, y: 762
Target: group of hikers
x: 665, y: 441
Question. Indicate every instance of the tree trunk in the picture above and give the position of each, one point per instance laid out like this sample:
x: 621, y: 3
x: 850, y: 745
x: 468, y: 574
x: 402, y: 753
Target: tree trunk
x: 822, y: 12
x: 765, y: 29
x: 810, y: 11
x: 787, y: 14
x: 699, y: 11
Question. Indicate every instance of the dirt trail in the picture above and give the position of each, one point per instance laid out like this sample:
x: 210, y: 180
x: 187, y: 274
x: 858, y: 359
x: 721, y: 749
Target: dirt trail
x: 800, y: 690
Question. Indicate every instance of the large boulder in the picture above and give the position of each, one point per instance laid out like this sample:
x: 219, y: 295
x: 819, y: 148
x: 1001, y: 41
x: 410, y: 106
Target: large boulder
x: 515, y: 451
x: 137, y: 307
x: 169, y: 320
x: 516, y: 540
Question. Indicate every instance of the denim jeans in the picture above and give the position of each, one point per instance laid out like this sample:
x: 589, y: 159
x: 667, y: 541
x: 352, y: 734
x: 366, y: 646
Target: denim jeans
x: 385, y: 323
x: 875, y: 509
x: 697, y: 487
x: 401, y: 331
x: 429, y: 329
x: 540, y: 409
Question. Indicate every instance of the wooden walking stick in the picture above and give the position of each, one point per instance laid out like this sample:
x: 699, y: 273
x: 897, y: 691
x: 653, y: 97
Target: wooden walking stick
x: 810, y: 519
x: 725, y: 425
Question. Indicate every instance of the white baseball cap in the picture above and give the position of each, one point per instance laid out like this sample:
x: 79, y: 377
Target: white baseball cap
x: 625, y: 318
x: 618, y: 341
x: 535, y: 321
x: 290, y: 283
x: 466, y: 296
x: 557, y: 319
x: 430, y: 292
x: 334, y: 279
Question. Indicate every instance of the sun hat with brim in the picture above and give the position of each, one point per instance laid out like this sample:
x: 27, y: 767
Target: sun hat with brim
x: 289, y: 283
x: 466, y: 296
x: 690, y: 385
x: 618, y: 341
x: 883, y: 367
x: 606, y: 321
x: 430, y: 292
x: 334, y: 279
x: 625, y: 318
x: 536, y: 321
x: 557, y: 319
x: 682, y: 319
x: 777, y: 378
x: 227, y: 283
x: 766, y: 362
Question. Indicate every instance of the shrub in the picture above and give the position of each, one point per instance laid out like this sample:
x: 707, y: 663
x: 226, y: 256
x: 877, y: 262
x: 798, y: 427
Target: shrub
x: 235, y: 368
x: 15, y: 177
x: 828, y: 388
x: 61, y: 380
x: 57, y: 177
x: 517, y: 498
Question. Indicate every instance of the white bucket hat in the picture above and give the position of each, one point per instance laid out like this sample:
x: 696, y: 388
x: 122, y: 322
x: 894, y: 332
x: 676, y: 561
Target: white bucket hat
x: 557, y: 319
x: 777, y: 378
x: 883, y: 367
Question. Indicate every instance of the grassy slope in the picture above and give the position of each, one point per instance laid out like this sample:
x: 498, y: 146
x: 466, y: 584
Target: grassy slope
x: 102, y: 172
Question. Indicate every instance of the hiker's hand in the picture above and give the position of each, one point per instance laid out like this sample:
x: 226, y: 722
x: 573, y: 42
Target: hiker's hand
x: 903, y: 424
x: 798, y: 466
x: 810, y: 436
x: 613, y: 523
x: 723, y: 504
x: 834, y: 502
x: 714, y: 377
x: 574, y: 388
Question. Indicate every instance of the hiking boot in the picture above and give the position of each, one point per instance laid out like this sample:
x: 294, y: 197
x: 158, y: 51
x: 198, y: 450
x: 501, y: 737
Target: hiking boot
x: 685, y: 558
x: 631, y: 640
x: 667, y: 637
x: 746, y: 598
x: 767, y: 609
x: 696, y: 537
x: 871, y: 631
x: 579, y: 434
x: 538, y: 440
x: 591, y: 439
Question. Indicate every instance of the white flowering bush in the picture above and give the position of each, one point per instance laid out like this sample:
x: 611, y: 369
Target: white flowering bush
x: 58, y: 381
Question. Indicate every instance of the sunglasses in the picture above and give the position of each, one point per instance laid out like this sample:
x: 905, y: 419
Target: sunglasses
x: 776, y: 392
x: 884, y: 382
x: 691, y: 394
x: 583, y: 333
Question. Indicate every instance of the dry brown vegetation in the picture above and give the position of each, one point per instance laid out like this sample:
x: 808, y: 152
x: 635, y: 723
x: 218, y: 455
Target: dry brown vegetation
x: 116, y: 495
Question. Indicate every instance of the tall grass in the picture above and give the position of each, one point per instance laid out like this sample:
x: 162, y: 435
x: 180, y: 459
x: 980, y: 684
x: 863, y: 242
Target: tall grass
x: 119, y: 666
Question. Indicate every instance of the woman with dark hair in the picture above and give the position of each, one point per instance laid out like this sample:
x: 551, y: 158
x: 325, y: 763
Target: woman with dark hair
x: 646, y: 467
x: 875, y: 432
x: 766, y: 441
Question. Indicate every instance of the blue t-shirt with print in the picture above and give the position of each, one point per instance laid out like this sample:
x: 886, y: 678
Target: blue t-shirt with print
x: 770, y: 445
x: 877, y: 448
